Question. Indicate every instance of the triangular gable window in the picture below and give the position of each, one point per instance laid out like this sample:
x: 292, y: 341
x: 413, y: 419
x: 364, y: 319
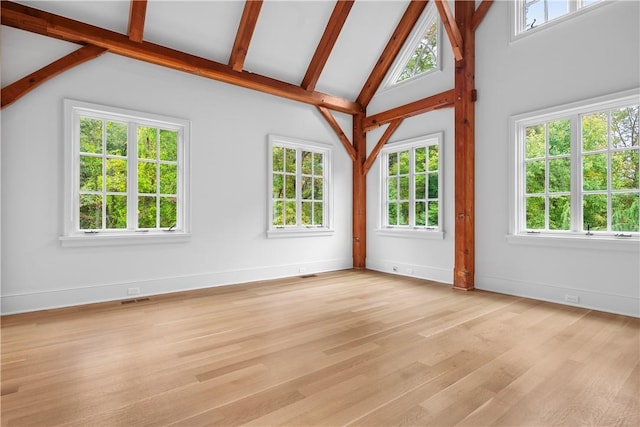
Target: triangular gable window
x: 421, y: 53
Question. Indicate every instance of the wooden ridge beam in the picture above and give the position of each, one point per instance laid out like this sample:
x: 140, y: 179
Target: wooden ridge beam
x: 45, y: 23
x: 480, y: 13
x: 327, y: 41
x: 383, y: 140
x: 453, y: 32
x: 245, y: 32
x: 397, y: 40
x: 338, y: 130
x: 441, y: 100
x: 18, y: 89
x: 137, y: 15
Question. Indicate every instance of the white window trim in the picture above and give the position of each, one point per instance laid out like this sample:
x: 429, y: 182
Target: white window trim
x: 430, y: 13
x: 518, y: 18
x: 572, y: 239
x: 72, y: 236
x: 298, y: 230
x: 435, y: 233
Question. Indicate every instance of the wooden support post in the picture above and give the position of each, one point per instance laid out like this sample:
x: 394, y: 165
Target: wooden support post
x: 359, y: 193
x: 464, y: 262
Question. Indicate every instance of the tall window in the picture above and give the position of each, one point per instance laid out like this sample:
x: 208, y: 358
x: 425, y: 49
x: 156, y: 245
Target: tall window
x: 531, y: 14
x: 579, y: 170
x: 299, y: 186
x: 127, y: 172
x: 411, y: 183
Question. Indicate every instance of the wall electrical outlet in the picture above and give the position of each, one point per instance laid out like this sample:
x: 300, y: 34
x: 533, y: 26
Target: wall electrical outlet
x: 133, y: 291
x: 302, y: 270
x: 574, y: 299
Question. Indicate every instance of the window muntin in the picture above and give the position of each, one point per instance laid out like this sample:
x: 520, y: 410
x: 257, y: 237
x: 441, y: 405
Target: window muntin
x: 299, y: 185
x: 579, y: 170
x: 411, y: 184
x: 127, y: 172
x: 532, y: 14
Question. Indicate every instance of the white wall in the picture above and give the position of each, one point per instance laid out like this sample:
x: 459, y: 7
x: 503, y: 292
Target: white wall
x: 228, y: 190
x: 593, y: 54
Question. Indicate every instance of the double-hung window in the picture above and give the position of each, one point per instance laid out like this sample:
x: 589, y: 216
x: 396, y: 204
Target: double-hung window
x: 126, y: 175
x: 299, y: 187
x: 578, y: 170
x: 411, y: 183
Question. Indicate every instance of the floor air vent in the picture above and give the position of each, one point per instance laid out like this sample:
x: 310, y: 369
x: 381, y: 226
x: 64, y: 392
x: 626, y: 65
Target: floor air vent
x: 306, y: 276
x: 131, y: 301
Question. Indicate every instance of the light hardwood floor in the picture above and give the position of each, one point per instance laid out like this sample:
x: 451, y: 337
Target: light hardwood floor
x: 343, y: 348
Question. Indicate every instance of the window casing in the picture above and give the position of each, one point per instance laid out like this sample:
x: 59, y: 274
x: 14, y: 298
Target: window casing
x: 299, y: 188
x: 411, y: 186
x: 530, y: 15
x: 577, y: 170
x: 126, y: 176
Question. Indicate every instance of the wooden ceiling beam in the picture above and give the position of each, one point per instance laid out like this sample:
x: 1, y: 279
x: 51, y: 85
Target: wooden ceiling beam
x: 137, y: 15
x: 18, y: 89
x: 393, y: 47
x: 450, y: 26
x: 48, y: 24
x: 383, y: 140
x: 442, y: 100
x: 338, y: 130
x: 479, y: 14
x: 332, y: 31
x: 245, y: 32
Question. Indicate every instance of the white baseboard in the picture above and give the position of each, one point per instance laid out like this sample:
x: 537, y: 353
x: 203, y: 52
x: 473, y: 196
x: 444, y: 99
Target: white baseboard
x: 437, y: 274
x: 601, y: 301
x: 20, y: 303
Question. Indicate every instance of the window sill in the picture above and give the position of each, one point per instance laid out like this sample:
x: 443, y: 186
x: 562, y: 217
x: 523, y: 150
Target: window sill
x: 411, y: 233
x: 298, y: 232
x: 123, y: 239
x: 577, y: 241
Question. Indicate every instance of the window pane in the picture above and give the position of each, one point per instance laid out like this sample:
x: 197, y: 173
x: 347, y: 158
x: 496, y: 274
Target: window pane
x: 425, y: 57
x: 420, y: 186
x: 277, y: 154
x: 90, y: 173
x: 147, y: 142
x: 116, y: 175
x: 534, y: 14
x: 393, y: 164
x: 168, y: 179
x: 307, y: 213
x: 290, y: 213
x: 307, y: 162
x: 624, y: 212
x: 168, y: 212
x: 421, y: 214
x: 278, y: 209
x: 290, y: 186
x: 559, y: 212
x: 535, y: 213
x: 594, y: 132
x: 433, y: 157
x: 404, y: 162
x: 317, y: 164
x: 559, y: 137
x: 420, y: 159
x: 146, y: 177
x: 117, y: 138
x: 556, y: 8
x: 433, y: 185
x: 318, y: 213
x: 560, y: 175
x: 594, y: 172
x: 404, y: 213
x: 392, y: 218
x: 90, y: 135
x: 278, y: 188
x: 307, y: 187
x: 290, y: 160
x: 535, y: 177
x: 90, y: 212
x: 393, y: 189
x: 535, y: 142
x: 168, y: 145
x: 624, y: 170
x: 404, y: 188
x: 317, y: 188
x: 146, y: 212
x: 116, y: 211
x: 594, y: 212
x: 433, y: 214
x: 624, y: 127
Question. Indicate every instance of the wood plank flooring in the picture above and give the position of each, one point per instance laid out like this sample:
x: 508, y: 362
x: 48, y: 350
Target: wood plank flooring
x: 348, y: 348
